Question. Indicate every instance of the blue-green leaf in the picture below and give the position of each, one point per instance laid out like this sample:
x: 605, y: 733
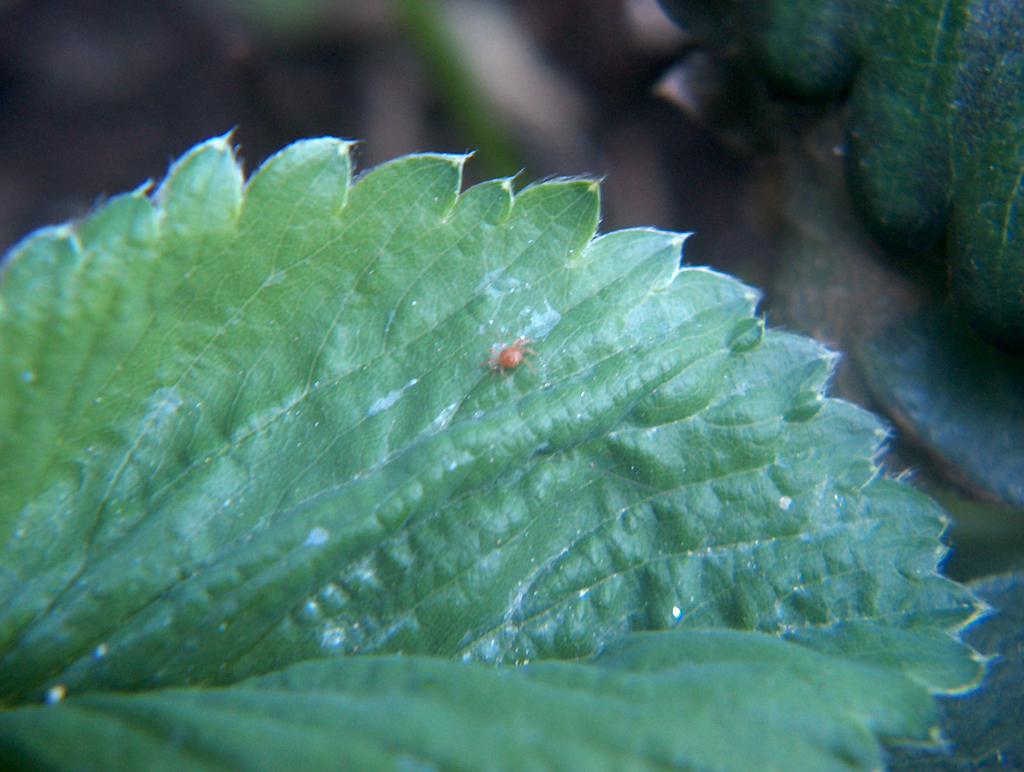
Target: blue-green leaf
x: 686, y: 700
x: 249, y: 424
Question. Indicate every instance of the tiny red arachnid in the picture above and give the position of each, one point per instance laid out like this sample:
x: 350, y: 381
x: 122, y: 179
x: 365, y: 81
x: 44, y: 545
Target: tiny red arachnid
x: 510, y: 356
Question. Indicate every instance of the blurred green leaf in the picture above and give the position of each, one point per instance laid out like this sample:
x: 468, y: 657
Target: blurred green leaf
x: 955, y: 396
x: 935, y: 116
x: 685, y: 700
x: 985, y: 729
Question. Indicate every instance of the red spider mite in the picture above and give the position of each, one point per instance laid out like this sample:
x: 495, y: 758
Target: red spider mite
x: 510, y: 356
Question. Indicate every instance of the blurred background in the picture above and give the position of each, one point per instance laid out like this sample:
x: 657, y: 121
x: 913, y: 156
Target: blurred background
x: 97, y: 96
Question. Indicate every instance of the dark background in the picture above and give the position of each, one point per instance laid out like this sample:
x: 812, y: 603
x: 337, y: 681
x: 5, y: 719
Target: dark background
x: 98, y: 96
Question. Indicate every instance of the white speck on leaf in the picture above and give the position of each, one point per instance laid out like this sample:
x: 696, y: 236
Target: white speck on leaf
x: 276, y: 276
x: 55, y: 694
x: 332, y: 638
x: 316, y: 537
x: 390, y: 399
x: 445, y: 416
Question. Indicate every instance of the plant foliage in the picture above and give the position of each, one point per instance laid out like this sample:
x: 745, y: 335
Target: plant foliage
x: 246, y: 433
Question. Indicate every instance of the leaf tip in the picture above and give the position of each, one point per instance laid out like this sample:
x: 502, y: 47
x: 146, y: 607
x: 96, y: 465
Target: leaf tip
x: 457, y: 160
x: 208, y: 172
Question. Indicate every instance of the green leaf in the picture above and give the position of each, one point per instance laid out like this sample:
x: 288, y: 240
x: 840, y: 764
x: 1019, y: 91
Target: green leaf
x: 961, y: 400
x: 684, y: 700
x: 247, y: 425
x: 985, y: 728
x: 986, y: 230
x: 935, y: 114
